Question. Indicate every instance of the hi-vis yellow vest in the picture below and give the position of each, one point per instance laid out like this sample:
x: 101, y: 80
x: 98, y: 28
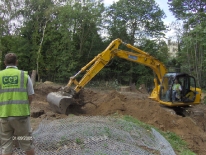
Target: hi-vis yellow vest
x: 176, y: 86
x: 13, y: 93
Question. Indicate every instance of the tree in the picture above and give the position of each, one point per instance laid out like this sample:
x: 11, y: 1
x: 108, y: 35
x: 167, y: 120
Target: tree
x: 135, y: 19
x: 192, y: 11
x: 58, y: 38
x: 192, y: 42
x: 193, y: 54
x: 132, y: 21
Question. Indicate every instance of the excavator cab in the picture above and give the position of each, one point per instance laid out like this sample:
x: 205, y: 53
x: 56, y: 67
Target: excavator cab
x: 188, y: 94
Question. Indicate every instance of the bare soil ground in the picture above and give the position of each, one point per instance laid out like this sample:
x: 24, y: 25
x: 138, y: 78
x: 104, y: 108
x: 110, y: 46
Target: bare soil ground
x: 191, y: 128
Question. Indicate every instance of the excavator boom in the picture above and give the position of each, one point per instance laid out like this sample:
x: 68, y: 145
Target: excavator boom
x: 102, y: 59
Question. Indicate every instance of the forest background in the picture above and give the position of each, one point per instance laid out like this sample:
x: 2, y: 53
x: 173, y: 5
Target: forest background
x: 58, y: 37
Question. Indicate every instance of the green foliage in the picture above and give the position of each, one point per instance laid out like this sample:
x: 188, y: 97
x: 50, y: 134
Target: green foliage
x: 176, y: 142
x: 187, y: 152
x: 59, y: 40
x: 136, y: 121
x: 204, y: 100
x: 72, y: 39
x: 132, y: 20
x: 9, y: 44
x: 192, y: 53
x: 79, y: 141
x: 191, y: 11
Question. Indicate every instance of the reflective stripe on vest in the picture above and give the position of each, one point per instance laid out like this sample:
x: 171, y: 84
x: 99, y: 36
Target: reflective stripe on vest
x: 13, y: 90
x: 14, y: 98
x: 176, y: 86
x: 14, y: 102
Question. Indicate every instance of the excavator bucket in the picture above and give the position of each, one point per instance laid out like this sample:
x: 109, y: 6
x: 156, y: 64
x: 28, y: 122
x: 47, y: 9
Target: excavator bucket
x: 59, y: 103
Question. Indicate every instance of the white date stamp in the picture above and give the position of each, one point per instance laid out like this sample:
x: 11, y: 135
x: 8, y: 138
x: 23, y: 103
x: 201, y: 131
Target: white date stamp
x: 22, y: 138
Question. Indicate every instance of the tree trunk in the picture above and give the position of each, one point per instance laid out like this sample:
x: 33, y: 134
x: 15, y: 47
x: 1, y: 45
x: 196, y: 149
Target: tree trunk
x: 33, y: 77
x: 39, y: 51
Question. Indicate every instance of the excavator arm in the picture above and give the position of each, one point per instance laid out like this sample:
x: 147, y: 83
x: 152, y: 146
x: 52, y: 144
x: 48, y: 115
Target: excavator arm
x: 102, y: 59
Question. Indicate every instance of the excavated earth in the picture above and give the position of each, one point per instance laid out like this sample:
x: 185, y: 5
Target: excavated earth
x: 191, y: 126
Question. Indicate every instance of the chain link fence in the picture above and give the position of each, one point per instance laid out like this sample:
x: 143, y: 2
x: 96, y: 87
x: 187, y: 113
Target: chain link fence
x: 78, y: 135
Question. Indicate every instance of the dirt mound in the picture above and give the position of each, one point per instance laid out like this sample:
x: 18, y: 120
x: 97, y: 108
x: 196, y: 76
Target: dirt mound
x: 191, y: 129
x: 46, y: 87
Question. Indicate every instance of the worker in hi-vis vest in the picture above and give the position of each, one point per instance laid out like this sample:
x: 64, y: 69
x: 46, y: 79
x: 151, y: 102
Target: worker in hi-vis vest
x: 16, y: 92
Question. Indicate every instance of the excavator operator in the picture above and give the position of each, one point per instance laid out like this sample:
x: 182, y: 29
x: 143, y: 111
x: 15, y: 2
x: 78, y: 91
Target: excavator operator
x: 176, y: 90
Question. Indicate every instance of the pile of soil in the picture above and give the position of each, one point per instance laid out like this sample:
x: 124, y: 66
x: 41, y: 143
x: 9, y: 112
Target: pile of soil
x: 191, y: 128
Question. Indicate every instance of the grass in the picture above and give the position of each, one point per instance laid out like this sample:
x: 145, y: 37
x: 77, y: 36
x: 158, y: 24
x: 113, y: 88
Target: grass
x: 99, y: 153
x: 179, y: 145
x: 134, y: 120
x: 79, y: 141
x: 203, y: 94
x: 204, y: 100
x: 107, y: 131
x: 63, y: 140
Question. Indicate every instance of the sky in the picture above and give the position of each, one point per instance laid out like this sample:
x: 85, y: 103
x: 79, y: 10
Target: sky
x: 164, y: 6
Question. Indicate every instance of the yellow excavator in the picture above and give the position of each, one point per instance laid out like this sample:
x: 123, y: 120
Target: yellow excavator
x: 163, y: 82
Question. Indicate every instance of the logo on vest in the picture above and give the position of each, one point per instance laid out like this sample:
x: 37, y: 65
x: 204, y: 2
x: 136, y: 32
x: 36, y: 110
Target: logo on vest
x: 10, y: 80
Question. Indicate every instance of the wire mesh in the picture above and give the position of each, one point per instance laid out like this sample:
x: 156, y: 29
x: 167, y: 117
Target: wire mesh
x: 78, y: 135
